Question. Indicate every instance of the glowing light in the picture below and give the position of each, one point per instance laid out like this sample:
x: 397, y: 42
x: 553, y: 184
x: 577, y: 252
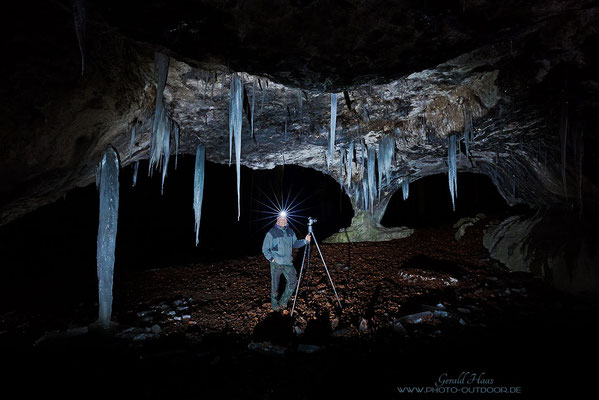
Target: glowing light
x: 287, y: 207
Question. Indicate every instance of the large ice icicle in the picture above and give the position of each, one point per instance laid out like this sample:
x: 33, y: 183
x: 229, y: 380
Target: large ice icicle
x: 79, y: 18
x: 235, y: 123
x: 252, y: 109
x: 365, y: 191
x: 341, y: 163
x: 371, y: 177
x: 350, y: 160
x: 135, y: 169
x: 108, y: 183
x: 333, y: 128
x: 386, y: 152
x: 198, y: 186
x: 362, y: 145
x: 405, y: 188
x: 161, y: 124
x: 451, y: 162
x: 132, y: 142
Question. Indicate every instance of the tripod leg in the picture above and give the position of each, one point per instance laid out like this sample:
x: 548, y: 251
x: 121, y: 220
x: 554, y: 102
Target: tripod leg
x: 307, y: 249
x: 326, y: 269
x: 308, y: 267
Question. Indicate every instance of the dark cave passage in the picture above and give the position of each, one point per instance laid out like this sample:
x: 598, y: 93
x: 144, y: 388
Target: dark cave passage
x: 429, y: 201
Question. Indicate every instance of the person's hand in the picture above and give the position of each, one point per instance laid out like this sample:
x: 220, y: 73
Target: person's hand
x: 308, y: 238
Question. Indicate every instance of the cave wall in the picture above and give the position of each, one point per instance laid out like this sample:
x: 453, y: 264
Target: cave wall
x: 511, y: 79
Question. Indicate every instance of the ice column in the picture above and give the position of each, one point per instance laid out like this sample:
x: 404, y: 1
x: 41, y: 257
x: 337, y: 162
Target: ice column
x: 161, y: 125
x: 371, y: 177
x: 132, y: 142
x: 333, y: 128
x: 451, y: 162
x: 350, y: 160
x: 235, y: 121
x: 405, y: 188
x: 198, y: 186
x: 107, y: 180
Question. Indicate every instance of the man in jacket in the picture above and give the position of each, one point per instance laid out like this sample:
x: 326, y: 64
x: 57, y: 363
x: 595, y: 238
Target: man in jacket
x: 277, y: 247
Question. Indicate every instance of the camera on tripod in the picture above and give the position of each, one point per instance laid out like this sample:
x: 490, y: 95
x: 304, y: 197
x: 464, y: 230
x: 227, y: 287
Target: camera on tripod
x: 312, y: 221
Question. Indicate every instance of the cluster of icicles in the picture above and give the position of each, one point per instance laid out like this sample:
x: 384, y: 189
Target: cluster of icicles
x: 365, y: 193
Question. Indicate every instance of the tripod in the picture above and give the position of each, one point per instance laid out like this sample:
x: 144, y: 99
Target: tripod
x: 307, y: 251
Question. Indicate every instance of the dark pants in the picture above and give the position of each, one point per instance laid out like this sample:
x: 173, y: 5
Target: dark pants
x: 290, y: 276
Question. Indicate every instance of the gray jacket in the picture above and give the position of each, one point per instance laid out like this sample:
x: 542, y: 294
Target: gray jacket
x: 279, y: 243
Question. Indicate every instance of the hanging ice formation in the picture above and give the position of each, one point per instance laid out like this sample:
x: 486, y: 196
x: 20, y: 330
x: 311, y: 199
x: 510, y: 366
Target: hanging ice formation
x: 365, y: 193
x: 198, y: 186
x: 371, y: 177
x: 299, y: 100
x: 350, y: 160
x: 235, y: 121
x: 386, y: 153
x: 107, y: 180
x: 405, y: 188
x: 79, y: 17
x: 161, y: 128
x: 451, y: 161
x: 135, y: 169
x: 132, y: 142
x: 252, y: 109
x: 341, y: 162
x: 362, y: 145
x: 333, y: 128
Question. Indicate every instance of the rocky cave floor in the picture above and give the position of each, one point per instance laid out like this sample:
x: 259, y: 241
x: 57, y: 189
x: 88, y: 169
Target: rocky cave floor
x: 208, y: 328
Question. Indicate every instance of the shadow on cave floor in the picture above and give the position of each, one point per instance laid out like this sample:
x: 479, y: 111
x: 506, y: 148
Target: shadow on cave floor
x: 207, y: 330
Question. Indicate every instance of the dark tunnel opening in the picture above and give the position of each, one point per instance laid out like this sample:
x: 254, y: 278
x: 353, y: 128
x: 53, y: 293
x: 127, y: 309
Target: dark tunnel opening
x: 429, y: 202
x: 57, y: 242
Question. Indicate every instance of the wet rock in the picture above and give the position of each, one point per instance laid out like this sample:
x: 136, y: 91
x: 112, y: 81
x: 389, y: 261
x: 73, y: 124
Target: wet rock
x: 156, y: 329
x: 399, y: 328
x: 334, y: 323
x: 298, y: 331
x: 440, y: 314
x: 344, y: 332
x: 307, y: 348
x: 463, y: 310
x: 267, y: 348
x: 416, y: 318
x: 363, y: 325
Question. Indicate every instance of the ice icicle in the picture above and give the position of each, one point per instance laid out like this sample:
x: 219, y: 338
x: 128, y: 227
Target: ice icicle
x: 198, y: 187
x: 132, y: 142
x: 299, y: 100
x: 108, y: 183
x: 405, y: 188
x: 235, y: 123
x: 161, y: 125
x: 362, y: 158
x: 365, y: 191
x: 135, y: 169
x: 166, y: 153
x: 341, y: 162
x: 79, y: 18
x: 350, y: 160
x: 252, y: 109
x: 333, y: 128
x: 371, y: 177
x: 386, y: 152
x: 451, y: 161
